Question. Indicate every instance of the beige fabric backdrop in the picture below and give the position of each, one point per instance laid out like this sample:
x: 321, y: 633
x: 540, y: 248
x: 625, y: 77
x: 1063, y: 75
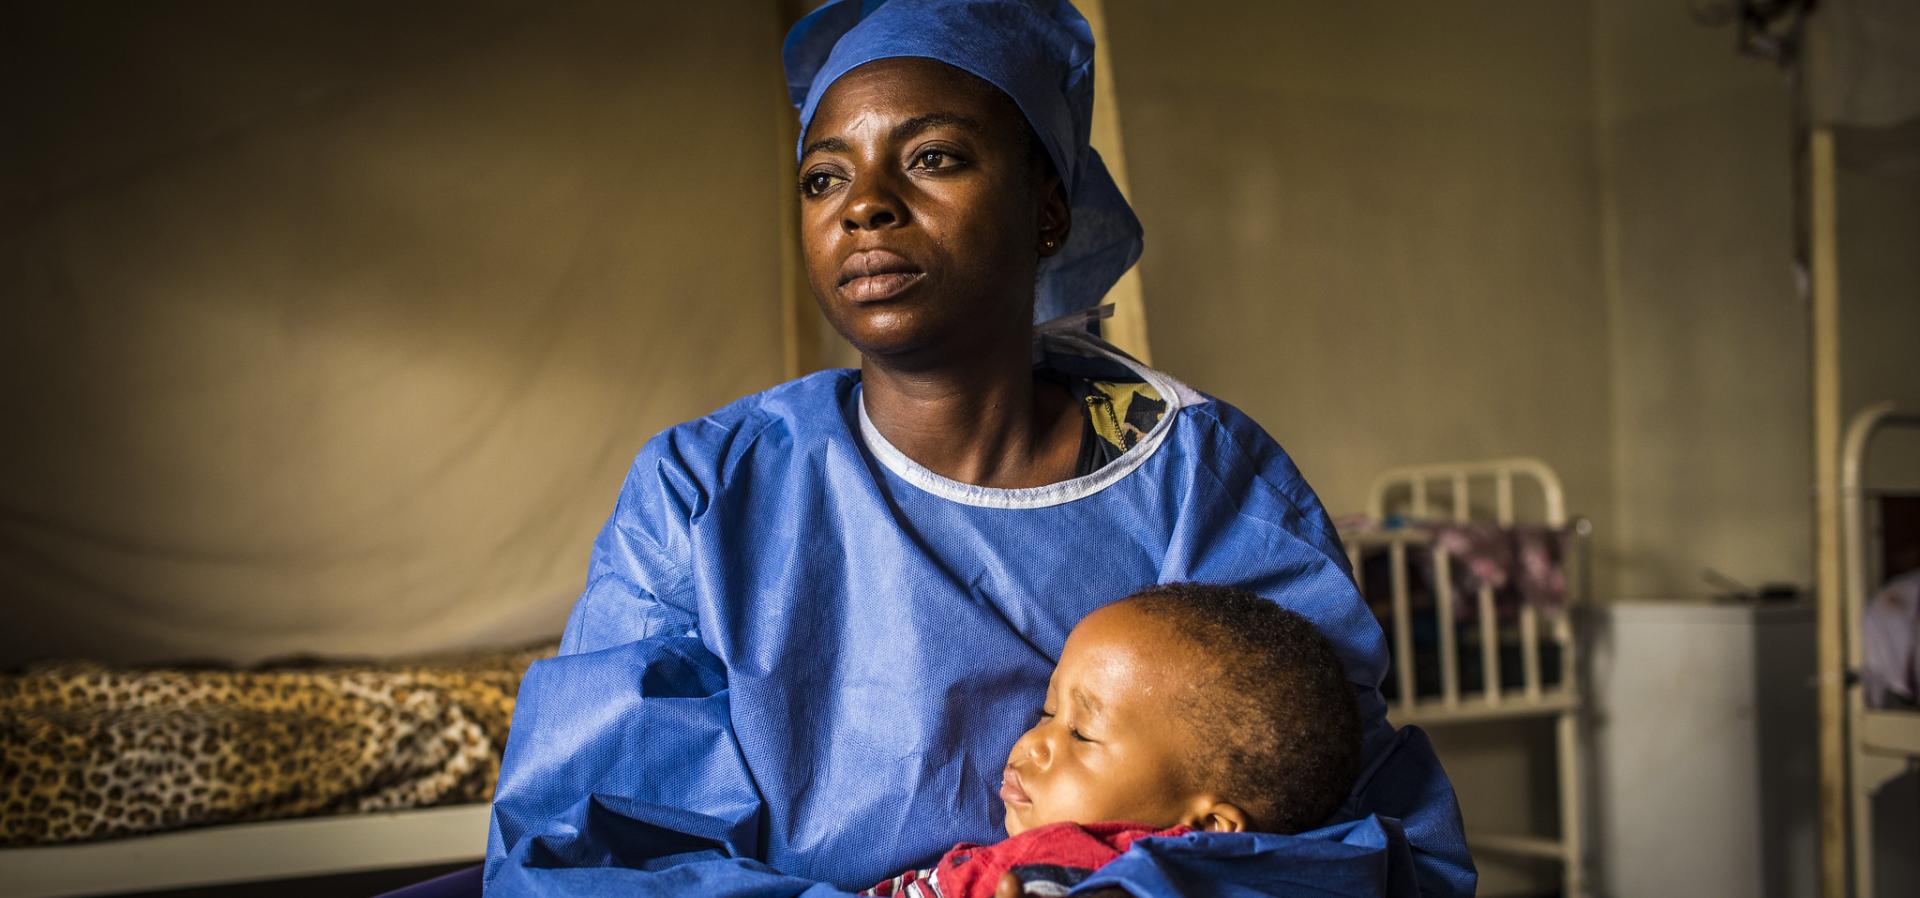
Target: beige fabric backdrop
x: 336, y: 331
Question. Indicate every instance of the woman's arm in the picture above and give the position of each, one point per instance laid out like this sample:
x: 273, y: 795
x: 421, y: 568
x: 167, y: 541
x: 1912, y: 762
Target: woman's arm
x: 621, y: 768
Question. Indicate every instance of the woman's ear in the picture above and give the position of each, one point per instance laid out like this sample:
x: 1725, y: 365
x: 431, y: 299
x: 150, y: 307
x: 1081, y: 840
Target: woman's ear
x: 1217, y: 817
x: 1056, y: 215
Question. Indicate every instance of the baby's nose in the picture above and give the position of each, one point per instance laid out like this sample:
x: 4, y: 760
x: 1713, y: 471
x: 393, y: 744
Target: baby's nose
x: 1033, y: 747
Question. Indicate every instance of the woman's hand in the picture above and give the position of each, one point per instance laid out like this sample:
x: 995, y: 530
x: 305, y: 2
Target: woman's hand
x: 1009, y: 887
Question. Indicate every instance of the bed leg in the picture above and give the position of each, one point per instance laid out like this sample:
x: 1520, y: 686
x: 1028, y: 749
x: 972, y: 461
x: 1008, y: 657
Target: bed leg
x: 1572, y: 829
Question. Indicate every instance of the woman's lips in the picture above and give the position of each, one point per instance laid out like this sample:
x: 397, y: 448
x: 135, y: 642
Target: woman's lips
x: 1011, y: 792
x: 876, y: 274
x: 876, y: 287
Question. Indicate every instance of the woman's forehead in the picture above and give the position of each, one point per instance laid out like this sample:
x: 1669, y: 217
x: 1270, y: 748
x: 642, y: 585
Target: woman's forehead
x: 908, y: 87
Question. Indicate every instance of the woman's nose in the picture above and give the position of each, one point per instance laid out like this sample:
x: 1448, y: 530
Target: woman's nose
x: 872, y: 205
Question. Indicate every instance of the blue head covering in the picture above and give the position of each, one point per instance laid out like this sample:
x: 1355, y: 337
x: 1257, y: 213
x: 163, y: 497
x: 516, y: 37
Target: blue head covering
x: 1039, y: 53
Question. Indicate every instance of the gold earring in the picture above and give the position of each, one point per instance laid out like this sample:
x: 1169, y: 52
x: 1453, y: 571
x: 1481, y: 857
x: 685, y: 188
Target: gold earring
x: 1047, y: 244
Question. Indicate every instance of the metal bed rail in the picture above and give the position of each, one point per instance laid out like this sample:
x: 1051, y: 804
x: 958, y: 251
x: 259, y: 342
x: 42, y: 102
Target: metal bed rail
x: 1464, y: 493
x: 1881, y: 744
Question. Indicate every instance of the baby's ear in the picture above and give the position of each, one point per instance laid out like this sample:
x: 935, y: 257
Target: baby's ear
x: 1219, y: 817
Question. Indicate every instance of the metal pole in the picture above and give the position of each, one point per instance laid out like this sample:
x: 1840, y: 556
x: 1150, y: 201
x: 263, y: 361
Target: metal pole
x: 1826, y: 448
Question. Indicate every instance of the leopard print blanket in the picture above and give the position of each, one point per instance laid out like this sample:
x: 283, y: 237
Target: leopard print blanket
x: 90, y: 752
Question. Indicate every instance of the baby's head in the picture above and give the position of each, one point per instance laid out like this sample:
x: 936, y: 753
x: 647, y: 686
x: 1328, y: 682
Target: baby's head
x: 1189, y: 704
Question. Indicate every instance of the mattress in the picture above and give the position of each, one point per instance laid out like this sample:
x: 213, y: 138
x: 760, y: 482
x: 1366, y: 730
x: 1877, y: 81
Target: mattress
x: 91, y: 752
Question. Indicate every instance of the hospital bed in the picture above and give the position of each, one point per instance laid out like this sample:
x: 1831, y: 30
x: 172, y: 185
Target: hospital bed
x: 301, y: 769
x: 1882, y: 743
x: 1455, y: 666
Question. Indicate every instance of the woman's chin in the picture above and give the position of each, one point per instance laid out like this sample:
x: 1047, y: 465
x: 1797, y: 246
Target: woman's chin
x: 920, y: 324
x: 885, y: 334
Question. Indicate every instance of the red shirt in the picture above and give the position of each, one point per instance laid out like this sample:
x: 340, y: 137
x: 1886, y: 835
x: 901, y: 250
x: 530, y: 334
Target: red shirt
x: 1059, y: 853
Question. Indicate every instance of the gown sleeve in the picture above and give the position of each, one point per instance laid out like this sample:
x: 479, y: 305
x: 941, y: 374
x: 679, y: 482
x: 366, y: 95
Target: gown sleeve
x: 621, y: 772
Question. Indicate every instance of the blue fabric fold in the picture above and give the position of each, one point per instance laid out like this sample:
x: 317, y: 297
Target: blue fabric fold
x: 611, y: 745
x: 1360, y: 857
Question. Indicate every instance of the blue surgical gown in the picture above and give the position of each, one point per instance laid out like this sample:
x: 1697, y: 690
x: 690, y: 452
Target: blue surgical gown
x: 801, y: 659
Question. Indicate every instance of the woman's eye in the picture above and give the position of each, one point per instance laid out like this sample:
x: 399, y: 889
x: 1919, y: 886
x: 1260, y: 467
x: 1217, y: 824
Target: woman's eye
x: 935, y: 160
x: 816, y: 183
x: 1045, y: 714
x: 1077, y: 736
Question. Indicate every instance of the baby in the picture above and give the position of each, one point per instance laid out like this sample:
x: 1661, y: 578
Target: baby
x: 1182, y: 707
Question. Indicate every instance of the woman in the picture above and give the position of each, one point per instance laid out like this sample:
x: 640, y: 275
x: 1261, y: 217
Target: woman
x: 818, y: 617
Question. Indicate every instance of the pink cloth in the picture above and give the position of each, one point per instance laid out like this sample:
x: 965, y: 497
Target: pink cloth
x: 1889, y: 668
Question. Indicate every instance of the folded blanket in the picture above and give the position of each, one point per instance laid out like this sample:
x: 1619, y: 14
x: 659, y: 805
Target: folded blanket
x: 91, y: 752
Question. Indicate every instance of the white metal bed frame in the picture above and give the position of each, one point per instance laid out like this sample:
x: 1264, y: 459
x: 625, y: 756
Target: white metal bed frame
x: 1456, y: 705
x: 1881, y: 744
x: 248, y: 852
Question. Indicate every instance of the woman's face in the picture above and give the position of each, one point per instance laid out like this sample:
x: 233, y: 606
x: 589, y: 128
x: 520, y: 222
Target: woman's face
x: 923, y: 211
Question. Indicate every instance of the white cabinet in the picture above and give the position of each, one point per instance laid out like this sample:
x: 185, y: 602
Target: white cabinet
x: 1705, y: 764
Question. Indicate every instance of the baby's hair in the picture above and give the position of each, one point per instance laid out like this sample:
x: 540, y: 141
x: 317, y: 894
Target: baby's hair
x: 1280, y: 717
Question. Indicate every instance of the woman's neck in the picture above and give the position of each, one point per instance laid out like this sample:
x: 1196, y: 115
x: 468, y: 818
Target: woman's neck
x: 982, y: 420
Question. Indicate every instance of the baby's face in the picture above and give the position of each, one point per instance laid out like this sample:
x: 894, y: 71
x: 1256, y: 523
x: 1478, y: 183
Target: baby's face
x: 1112, y: 743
